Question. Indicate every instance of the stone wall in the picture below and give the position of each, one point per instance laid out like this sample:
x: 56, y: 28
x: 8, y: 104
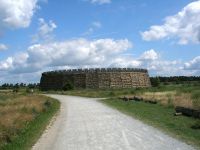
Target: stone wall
x: 95, y: 78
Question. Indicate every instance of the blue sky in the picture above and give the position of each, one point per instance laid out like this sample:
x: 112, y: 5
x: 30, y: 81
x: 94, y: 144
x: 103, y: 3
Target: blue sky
x: 41, y: 35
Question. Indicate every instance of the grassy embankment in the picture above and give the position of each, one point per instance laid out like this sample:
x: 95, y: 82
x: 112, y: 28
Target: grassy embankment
x: 158, y: 115
x: 23, y: 118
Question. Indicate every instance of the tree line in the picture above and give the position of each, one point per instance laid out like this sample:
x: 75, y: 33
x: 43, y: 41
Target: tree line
x: 178, y: 78
x: 19, y: 85
x: 155, y: 81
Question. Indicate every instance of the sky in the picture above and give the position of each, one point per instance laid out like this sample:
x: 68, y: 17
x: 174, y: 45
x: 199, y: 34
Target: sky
x: 44, y: 35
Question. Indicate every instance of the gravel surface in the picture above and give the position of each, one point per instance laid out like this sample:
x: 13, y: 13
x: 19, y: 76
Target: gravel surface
x: 86, y: 124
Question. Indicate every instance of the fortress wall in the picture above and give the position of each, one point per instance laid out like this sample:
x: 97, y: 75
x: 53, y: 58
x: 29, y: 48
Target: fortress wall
x: 126, y: 79
x: 80, y: 80
x: 116, y: 81
x: 96, y: 78
x: 92, y: 80
x: 67, y: 79
x: 143, y: 80
x: 134, y: 79
x: 52, y: 82
x: 104, y: 80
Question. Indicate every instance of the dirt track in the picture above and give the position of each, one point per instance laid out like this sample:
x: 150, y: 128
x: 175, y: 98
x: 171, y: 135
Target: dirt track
x: 86, y: 124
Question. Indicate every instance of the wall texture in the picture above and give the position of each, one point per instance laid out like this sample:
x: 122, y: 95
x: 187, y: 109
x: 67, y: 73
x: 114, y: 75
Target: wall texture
x: 95, y: 78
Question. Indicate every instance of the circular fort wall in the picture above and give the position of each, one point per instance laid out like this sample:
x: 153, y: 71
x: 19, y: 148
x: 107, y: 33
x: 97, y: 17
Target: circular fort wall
x: 96, y: 78
x: 117, y: 80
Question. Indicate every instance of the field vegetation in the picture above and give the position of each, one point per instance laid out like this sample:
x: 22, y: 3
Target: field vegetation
x: 23, y: 117
x: 186, y: 94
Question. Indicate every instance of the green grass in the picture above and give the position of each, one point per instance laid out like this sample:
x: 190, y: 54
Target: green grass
x: 181, y: 88
x: 97, y: 93
x: 33, y: 130
x: 160, y: 117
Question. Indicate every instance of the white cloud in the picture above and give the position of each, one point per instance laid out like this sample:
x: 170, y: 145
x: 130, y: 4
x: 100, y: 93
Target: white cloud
x: 100, y: 1
x: 45, y: 30
x: 3, y: 47
x: 72, y: 53
x: 194, y: 64
x: 125, y: 62
x: 185, y: 26
x: 16, y: 13
x: 165, y: 67
x: 149, y: 55
x: 151, y: 60
x: 7, y: 64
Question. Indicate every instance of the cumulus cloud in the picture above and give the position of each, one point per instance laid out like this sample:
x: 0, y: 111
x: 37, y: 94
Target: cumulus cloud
x: 44, y: 31
x: 158, y: 66
x: 185, y: 26
x: 166, y: 68
x: 194, y: 64
x: 100, y: 1
x: 73, y: 53
x: 3, y: 47
x: 124, y: 62
x: 16, y: 13
x: 149, y: 55
x: 7, y: 64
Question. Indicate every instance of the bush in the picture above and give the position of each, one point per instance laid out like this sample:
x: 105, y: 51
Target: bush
x: 68, y: 87
x: 155, y: 82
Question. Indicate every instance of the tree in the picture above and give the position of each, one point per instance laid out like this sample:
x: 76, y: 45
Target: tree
x: 16, y: 88
x: 155, y: 82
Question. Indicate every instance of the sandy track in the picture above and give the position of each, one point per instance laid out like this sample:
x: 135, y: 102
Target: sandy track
x: 85, y: 124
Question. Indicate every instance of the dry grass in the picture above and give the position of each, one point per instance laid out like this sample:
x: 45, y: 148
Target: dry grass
x: 16, y: 111
x: 171, y: 98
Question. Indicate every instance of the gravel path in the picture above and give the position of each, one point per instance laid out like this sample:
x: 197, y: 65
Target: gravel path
x: 86, y: 124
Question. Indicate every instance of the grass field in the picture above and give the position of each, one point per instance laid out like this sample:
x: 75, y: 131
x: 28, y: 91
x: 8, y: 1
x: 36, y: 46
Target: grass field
x: 187, y: 95
x: 23, y: 118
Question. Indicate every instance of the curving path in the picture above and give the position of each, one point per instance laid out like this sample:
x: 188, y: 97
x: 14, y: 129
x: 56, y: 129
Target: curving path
x: 86, y: 124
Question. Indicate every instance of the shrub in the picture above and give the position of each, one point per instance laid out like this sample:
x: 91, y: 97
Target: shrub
x: 155, y: 82
x: 68, y: 87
